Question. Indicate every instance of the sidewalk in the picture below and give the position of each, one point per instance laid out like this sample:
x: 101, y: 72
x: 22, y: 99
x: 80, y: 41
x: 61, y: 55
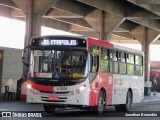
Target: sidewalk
x: 152, y: 97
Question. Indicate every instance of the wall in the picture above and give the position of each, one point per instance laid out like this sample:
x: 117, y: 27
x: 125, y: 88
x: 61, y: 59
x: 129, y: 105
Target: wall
x: 12, y: 68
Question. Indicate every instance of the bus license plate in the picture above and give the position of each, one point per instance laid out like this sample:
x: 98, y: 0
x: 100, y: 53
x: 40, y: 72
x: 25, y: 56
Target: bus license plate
x: 53, y: 98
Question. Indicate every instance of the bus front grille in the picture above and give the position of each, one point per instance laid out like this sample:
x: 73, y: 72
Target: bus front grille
x: 65, y: 92
x: 54, y: 100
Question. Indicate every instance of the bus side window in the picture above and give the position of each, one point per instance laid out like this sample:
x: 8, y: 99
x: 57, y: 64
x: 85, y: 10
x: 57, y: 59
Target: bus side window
x: 104, y: 60
x: 122, y: 63
x: 130, y: 64
x: 115, y: 59
x: 138, y: 65
x: 94, y: 50
x: 110, y: 60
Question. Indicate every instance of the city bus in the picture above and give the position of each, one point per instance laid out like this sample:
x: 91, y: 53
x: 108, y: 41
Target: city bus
x: 83, y: 72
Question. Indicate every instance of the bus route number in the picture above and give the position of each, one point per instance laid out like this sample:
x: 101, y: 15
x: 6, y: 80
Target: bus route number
x: 61, y: 88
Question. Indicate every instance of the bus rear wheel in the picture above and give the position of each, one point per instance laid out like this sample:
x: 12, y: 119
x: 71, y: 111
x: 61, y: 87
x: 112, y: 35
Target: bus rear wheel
x: 101, y: 103
x: 49, y: 108
x: 127, y: 106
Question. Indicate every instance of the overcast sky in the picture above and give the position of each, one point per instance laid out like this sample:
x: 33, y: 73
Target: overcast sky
x: 12, y: 34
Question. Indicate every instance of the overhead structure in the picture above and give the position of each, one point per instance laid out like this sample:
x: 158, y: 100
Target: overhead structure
x: 127, y: 21
x: 116, y: 18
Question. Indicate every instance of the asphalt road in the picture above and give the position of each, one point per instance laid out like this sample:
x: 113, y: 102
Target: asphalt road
x: 150, y: 107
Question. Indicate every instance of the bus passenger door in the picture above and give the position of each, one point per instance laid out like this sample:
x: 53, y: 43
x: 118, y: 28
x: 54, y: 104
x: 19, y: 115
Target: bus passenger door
x: 93, y: 69
x: 93, y: 66
x: 94, y: 61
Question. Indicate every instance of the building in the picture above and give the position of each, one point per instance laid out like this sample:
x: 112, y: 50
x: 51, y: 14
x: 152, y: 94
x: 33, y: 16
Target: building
x: 11, y: 69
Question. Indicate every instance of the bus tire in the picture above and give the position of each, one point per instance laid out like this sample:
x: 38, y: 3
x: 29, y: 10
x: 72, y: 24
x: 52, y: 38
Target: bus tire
x: 49, y: 108
x: 118, y: 108
x: 127, y: 106
x: 101, y: 103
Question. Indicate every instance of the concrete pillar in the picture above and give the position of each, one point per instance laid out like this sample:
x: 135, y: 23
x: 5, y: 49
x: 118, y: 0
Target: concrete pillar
x: 33, y: 28
x: 146, y: 48
x: 102, y: 26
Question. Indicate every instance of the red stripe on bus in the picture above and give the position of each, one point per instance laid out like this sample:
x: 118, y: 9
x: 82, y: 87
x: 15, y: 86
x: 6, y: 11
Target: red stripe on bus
x: 41, y: 87
x: 93, y: 98
x: 99, y: 42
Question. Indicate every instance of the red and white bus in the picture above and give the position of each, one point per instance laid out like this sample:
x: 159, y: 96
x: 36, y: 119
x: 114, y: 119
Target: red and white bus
x: 84, y: 72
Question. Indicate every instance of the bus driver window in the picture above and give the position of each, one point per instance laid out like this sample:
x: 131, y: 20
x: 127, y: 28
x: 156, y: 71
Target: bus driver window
x: 94, y: 58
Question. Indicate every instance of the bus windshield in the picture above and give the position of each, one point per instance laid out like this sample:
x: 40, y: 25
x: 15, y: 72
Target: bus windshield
x: 59, y: 64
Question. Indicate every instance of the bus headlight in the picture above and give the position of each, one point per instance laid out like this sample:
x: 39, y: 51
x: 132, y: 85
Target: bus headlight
x: 29, y: 86
x: 82, y: 88
x: 77, y: 91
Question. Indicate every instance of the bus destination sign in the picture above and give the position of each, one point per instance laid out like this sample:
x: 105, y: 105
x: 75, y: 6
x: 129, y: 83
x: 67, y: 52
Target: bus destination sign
x: 58, y: 43
x: 50, y: 42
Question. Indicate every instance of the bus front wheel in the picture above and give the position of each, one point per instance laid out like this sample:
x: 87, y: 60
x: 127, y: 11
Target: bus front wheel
x: 49, y: 108
x: 101, y: 103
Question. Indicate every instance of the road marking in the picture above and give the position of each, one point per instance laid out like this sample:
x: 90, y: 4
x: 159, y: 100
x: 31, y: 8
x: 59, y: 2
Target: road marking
x: 151, y: 100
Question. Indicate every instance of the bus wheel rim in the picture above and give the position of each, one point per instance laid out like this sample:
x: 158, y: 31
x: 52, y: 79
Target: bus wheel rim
x: 129, y: 101
x: 100, y: 104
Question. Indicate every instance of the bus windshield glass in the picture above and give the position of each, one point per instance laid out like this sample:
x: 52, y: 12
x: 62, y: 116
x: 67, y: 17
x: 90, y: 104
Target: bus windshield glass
x: 59, y: 64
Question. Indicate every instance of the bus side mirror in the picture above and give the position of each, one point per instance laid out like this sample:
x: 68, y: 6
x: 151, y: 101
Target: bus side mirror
x: 24, y: 57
